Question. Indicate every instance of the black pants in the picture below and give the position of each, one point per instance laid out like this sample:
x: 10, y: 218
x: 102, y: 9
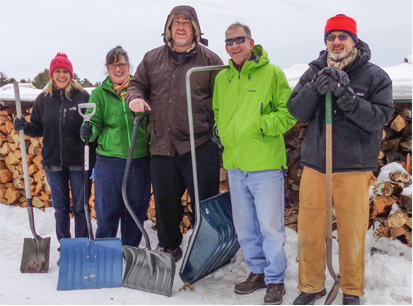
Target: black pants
x: 170, y: 177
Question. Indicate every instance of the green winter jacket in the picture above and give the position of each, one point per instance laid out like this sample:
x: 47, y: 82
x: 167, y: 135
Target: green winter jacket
x: 251, y: 114
x: 113, y: 124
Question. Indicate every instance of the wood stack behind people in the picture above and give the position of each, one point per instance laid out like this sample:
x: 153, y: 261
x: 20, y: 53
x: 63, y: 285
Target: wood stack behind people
x: 397, y: 147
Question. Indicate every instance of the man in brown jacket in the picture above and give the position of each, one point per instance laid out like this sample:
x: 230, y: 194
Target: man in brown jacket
x: 159, y: 84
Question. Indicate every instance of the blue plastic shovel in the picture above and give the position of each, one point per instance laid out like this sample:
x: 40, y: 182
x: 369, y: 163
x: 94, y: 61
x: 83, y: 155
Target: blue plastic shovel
x: 89, y: 263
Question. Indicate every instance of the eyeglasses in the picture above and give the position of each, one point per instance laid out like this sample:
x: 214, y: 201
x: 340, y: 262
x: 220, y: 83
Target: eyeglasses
x: 238, y: 40
x: 341, y: 37
x: 121, y: 66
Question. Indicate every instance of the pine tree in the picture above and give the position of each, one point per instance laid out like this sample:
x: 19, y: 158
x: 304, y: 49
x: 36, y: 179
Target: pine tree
x: 41, y: 79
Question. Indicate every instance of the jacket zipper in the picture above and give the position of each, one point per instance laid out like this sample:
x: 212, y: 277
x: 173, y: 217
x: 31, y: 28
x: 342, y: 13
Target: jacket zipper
x: 236, y: 114
x: 62, y: 116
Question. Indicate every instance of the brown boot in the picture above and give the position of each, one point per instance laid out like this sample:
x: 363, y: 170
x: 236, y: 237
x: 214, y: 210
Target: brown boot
x: 253, y: 282
x: 274, y: 294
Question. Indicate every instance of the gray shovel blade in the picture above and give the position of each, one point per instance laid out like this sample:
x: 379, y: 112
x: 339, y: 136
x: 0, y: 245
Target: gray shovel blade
x: 148, y: 270
x: 35, y: 258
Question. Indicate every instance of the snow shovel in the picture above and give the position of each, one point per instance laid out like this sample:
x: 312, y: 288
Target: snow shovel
x: 329, y: 202
x: 89, y: 263
x: 145, y: 269
x: 213, y: 241
x: 36, y: 251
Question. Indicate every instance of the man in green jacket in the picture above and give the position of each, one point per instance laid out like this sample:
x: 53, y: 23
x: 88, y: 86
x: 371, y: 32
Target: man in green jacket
x: 251, y: 117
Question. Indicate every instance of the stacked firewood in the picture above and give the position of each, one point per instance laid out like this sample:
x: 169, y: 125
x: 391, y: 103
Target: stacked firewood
x: 392, y: 209
x: 396, y: 147
x: 397, y: 137
x: 12, y: 189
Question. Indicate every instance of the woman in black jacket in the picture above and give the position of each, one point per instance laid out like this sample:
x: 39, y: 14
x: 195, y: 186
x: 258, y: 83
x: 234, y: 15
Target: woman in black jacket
x: 55, y: 117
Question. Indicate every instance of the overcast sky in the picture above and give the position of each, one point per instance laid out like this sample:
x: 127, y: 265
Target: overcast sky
x: 32, y: 32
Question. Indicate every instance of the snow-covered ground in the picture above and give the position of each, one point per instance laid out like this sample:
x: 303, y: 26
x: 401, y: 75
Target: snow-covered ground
x: 388, y: 271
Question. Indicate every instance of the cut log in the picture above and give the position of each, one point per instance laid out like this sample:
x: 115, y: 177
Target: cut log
x: 387, y: 188
x: 6, y: 176
x: 406, y: 202
x: 11, y: 196
x: 397, y: 231
x: 398, y: 219
x: 398, y: 124
x: 381, y: 204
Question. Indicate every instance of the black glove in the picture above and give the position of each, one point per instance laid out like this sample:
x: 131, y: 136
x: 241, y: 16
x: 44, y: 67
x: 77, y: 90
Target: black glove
x: 346, y: 98
x: 86, y: 131
x: 20, y: 123
x: 325, y: 83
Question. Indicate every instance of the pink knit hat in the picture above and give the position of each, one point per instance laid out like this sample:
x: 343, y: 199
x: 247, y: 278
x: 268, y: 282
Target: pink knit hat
x: 61, y: 61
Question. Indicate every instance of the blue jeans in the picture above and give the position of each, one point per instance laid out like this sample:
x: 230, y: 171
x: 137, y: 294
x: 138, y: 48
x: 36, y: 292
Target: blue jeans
x: 258, y: 210
x: 59, y: 186
x: 109, y: 205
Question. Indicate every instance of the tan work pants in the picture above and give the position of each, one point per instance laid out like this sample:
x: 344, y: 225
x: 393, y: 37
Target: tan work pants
x: 351, y: 202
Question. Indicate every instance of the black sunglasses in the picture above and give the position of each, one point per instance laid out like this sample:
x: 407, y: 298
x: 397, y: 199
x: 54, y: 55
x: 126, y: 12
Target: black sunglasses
x: 238, y: 40
x: 332, y: 37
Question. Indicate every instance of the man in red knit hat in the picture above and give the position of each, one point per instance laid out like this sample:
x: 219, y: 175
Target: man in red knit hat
x: 362, y: 105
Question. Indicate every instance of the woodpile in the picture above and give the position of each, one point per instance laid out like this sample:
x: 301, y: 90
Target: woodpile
x: 11, y: 170
x: 396, y: 147
x: 392, y: 209
x: 397, y: 137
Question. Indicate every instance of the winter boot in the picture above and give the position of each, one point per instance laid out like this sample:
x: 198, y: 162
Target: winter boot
x: 351, y: 299
x: 308, y: 298
x: 253, y: 282
x: 274, y: 294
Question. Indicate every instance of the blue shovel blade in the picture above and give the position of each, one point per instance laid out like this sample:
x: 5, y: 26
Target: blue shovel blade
x: 90, y: 264
x: 215, y: 242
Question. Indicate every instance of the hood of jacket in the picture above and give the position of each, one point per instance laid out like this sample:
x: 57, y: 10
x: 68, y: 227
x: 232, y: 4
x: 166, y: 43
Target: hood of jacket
x: 190, y: 12
x: 259, y: 57
x: 363, y: 56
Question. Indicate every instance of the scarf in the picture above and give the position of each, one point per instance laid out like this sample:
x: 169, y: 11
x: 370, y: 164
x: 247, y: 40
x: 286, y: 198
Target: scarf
x: 121, y: 89
x: 344, y: 62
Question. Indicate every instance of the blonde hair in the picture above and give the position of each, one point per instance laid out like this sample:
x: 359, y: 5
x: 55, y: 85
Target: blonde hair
x: 72, y: 84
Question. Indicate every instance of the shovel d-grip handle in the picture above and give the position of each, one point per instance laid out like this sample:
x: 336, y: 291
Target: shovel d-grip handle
x: 329, y: 201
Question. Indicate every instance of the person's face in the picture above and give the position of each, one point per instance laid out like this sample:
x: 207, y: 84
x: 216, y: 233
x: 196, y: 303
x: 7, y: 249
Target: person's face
x: 119, y: 70
x: 61, y: 78
x: 182, y: 33
x: 339, y: 49
x: 239, y: 53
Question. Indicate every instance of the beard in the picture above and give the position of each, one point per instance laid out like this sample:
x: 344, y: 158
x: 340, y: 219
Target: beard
x: 340, y: 56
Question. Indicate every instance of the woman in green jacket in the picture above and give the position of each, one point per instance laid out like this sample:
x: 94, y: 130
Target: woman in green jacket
x: 112, y: 126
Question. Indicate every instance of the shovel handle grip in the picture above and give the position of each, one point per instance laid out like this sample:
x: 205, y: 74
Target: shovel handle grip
x: 85, y: 106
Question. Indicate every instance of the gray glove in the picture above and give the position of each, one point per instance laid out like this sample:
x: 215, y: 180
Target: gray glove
x: 20, y: 123
x: 86, y: 131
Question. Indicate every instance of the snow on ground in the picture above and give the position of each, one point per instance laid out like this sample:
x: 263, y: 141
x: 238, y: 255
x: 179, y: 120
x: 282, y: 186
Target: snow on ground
x: 388, y: 271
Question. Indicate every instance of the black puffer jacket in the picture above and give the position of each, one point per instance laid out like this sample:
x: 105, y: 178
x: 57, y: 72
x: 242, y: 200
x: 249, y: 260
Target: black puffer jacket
x: 357, y: 125
x: 58, y: 121
x: 160, y: 80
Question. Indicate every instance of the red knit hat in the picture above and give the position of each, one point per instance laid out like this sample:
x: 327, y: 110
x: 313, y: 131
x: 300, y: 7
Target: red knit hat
x: 341, y: 23
x: 61, y: 61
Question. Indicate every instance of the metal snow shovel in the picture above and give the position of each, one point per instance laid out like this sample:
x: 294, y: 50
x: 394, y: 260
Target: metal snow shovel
x: 89, y: 263
x: 145, y: 269
x: 329, y: 202
x: 213, y: 241
x: 36, y: 251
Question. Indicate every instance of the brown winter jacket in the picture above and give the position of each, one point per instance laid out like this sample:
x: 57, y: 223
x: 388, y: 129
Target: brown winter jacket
x: 160, y: 80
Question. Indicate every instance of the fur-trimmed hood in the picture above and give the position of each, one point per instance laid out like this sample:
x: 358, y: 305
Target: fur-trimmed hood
x: 190, y: 12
